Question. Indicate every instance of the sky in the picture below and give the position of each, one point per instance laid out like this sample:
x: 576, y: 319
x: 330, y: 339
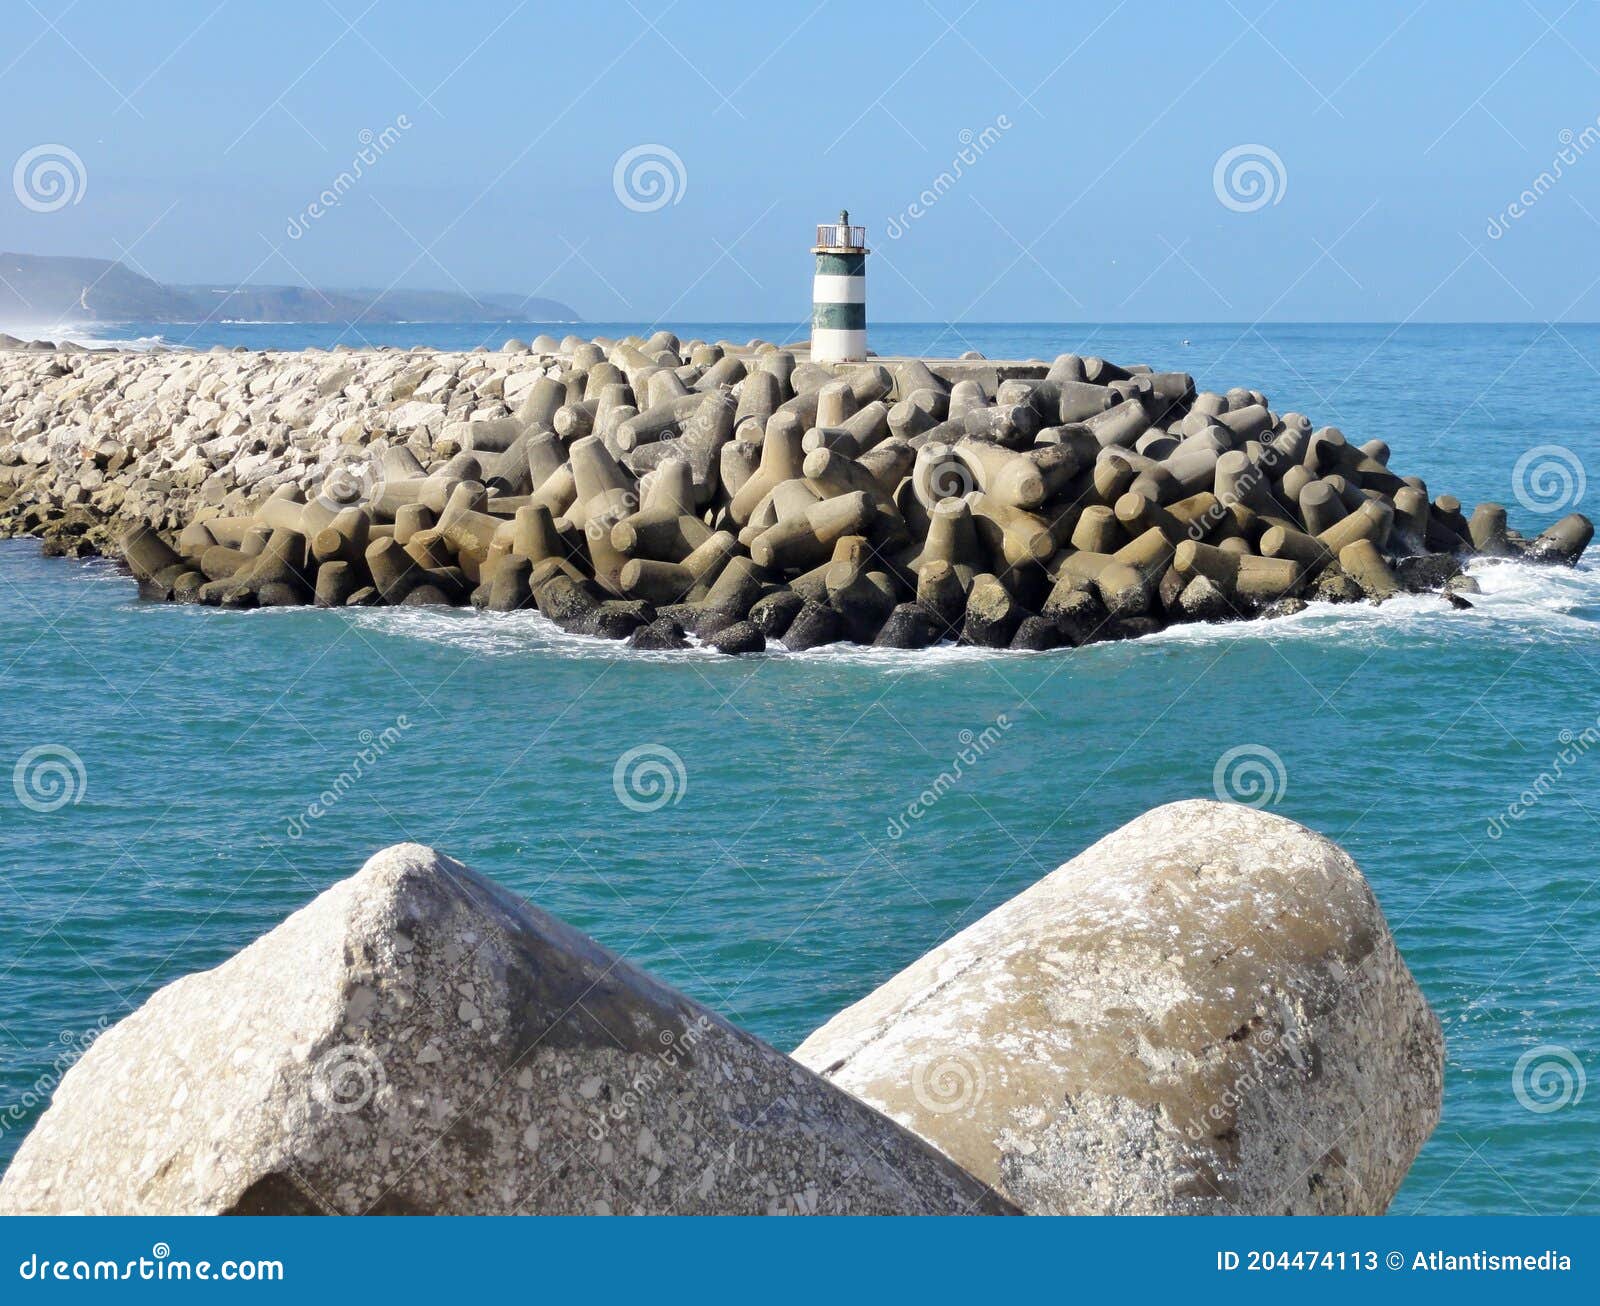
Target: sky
x: 1106, y: 161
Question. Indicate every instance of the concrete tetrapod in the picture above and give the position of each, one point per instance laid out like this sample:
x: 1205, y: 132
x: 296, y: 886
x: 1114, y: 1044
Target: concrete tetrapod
x: 624, y: 459
x: 1202, y: 1013
x: 419, y: 1040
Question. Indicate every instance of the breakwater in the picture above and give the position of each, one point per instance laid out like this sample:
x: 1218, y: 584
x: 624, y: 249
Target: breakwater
x: 651, y: 489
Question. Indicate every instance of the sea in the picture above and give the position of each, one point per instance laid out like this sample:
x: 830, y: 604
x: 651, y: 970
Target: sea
x: 779, y: 835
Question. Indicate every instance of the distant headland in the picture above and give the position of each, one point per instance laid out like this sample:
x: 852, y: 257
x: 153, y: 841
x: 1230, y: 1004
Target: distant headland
x: 45, y: 289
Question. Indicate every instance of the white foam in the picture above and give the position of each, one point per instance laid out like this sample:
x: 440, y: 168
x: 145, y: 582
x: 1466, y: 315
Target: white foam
x: 1519, y: 603
x: 96, y: 336
x: 92, y: 335
x: 507, y: 634
x: 142, y: 344
x: 1524, y: 590
x: 499, y: 634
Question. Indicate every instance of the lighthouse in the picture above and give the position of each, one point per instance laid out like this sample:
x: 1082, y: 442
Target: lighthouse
x: 839, y: 293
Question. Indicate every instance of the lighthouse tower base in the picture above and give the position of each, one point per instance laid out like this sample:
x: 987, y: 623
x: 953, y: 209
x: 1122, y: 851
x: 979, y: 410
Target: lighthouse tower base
x: 829, y: 345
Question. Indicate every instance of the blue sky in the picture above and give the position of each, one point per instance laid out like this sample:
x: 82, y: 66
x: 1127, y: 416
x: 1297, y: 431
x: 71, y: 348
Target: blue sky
x: 1396, y: 138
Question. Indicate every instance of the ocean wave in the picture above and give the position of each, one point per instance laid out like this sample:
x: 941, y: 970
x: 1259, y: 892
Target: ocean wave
x: 137, y: 344
x: 91, y: 335
x: 1519, y: 603
x: 1524, y: 590
x: 517, y: 634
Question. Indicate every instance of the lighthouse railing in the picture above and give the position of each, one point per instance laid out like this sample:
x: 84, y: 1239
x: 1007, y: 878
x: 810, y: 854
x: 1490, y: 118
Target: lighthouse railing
x: 836, y: 235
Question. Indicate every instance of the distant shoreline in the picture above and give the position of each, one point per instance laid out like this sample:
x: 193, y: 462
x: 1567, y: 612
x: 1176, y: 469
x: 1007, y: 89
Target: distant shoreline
x: 61, y: 290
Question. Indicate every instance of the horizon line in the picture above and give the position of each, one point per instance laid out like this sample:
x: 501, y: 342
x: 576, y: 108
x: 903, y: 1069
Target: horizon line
x: 660, y: 324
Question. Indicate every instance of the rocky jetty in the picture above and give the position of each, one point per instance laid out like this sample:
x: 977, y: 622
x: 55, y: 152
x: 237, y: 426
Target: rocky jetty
x: 652, y: 489
x: 1203, y: 1013
x: 418, y: 1040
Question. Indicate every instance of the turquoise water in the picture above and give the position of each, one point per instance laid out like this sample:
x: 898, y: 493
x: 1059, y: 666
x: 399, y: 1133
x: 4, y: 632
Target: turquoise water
x: 771, y: 886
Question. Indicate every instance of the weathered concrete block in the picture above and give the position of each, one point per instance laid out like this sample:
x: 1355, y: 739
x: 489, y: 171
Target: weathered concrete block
x: 1204, y: 1012
x: 420, y: 1040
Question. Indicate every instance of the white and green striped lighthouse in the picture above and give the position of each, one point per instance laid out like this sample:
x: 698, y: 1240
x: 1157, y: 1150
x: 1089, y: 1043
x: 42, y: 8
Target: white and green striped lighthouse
x: 839, y: 293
